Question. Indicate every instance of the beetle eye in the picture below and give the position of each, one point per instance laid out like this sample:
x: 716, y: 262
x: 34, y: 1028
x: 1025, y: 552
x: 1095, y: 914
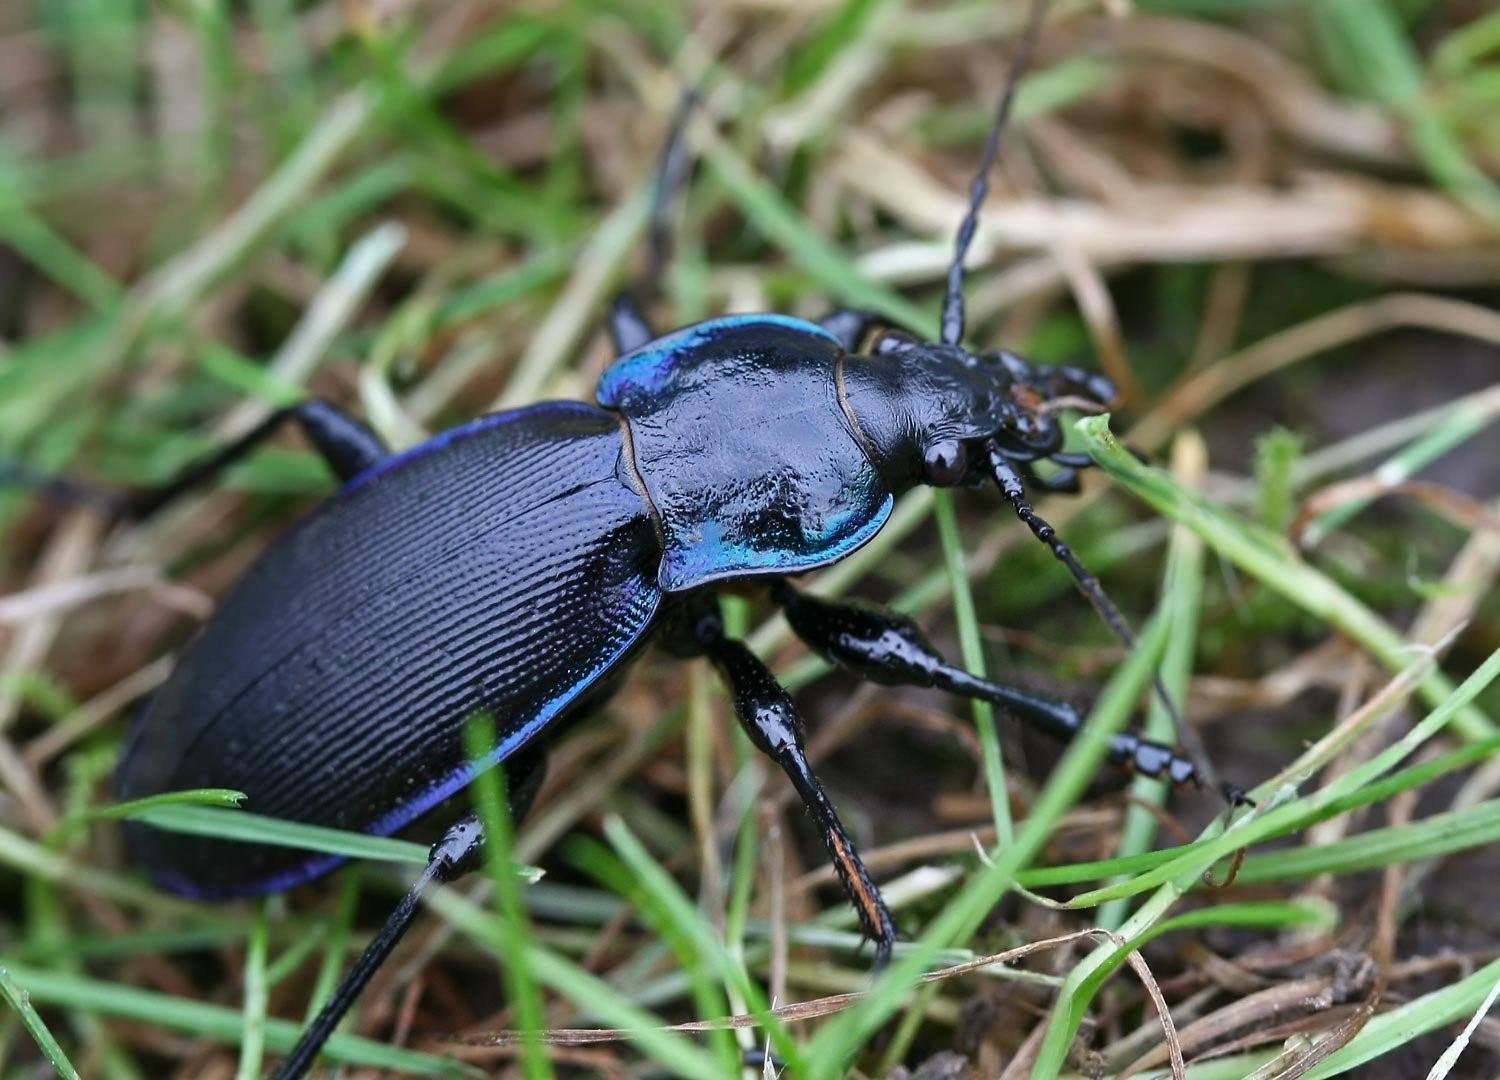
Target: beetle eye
x: 946, y: 462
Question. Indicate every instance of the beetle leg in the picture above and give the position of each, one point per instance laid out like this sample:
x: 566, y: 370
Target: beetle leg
x: 850, y: 325
x: 628, y: 328
x: 1064, y: 481
x: 457, y: 853
x: 889, y: 648
x: 450, y: 858
x: 771, y: 720
x: 347, y: 445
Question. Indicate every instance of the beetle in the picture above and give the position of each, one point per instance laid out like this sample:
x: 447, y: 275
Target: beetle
x: 515, y: 565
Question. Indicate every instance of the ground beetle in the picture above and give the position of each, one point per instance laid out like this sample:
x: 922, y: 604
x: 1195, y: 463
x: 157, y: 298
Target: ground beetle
x: 515, y: 565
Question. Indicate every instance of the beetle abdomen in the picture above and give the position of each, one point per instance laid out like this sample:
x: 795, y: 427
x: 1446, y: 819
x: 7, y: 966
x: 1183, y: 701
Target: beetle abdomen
x: 502, y: 566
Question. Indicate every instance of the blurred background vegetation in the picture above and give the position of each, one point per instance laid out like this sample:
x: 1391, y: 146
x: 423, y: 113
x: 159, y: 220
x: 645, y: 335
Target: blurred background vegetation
x: 1276, y: 223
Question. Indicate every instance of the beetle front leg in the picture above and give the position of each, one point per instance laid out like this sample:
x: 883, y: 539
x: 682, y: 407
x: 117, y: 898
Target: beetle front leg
x: 771, y: 720
x: 889, y: 648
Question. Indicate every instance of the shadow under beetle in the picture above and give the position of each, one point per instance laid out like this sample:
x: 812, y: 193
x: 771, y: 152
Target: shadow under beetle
x: 517, y: 563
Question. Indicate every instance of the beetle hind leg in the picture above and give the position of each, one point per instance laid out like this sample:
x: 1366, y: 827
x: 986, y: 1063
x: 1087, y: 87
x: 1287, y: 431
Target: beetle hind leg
x: 453, y: 856
x: 769, y: 717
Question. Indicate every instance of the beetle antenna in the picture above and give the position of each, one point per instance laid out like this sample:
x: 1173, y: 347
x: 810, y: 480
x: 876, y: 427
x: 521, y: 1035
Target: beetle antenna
x: 979, y: 187
x: 1009, y: 481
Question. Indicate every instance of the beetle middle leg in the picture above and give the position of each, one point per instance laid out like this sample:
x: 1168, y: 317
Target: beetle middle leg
x: 346, y: 444
x: 629, y: 328
x: 850, y: 325
x: 889, y: 648
x: 771, y: 720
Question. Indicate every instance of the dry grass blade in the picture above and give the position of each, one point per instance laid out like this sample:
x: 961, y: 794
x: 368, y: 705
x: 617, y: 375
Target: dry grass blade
x: 832, y: 1003
x: 1468, y: 513
x: 1309, y: 994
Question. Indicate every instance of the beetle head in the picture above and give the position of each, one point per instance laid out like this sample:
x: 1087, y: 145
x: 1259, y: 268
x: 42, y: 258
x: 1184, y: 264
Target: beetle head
x: 929, y: 411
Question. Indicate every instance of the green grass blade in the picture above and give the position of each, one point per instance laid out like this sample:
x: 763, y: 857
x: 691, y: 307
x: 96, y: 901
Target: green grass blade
x: 1391, y: 1030
x: 216, y: 1022
x: 512, y: 928
x: 1268, y: 558
x: 1182, y: 591
x: 257, y: 829
x: 597, y: 999
x: 1432, y: 837
x: 223, y: 797
x: 973, y: 652
x: 253, y: 1028
x: 1279, y: 814
x: 20, y: 1002
x: 685, y: 919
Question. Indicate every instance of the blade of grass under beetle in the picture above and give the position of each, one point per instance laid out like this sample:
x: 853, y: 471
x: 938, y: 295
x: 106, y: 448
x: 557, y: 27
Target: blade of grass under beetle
x: 1390, y: 1030
x: 253, y: 1028
x: 591, y: 995
x: 677, y: 936
x: 1277, y: 812
x: 1182, y: 590
x: 973, y: 653
x: 258, y: 829
x: 20, y: 1002
x: 686, y: 918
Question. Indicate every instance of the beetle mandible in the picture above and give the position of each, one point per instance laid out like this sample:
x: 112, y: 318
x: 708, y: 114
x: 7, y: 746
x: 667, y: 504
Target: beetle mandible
x: 515, y: 565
